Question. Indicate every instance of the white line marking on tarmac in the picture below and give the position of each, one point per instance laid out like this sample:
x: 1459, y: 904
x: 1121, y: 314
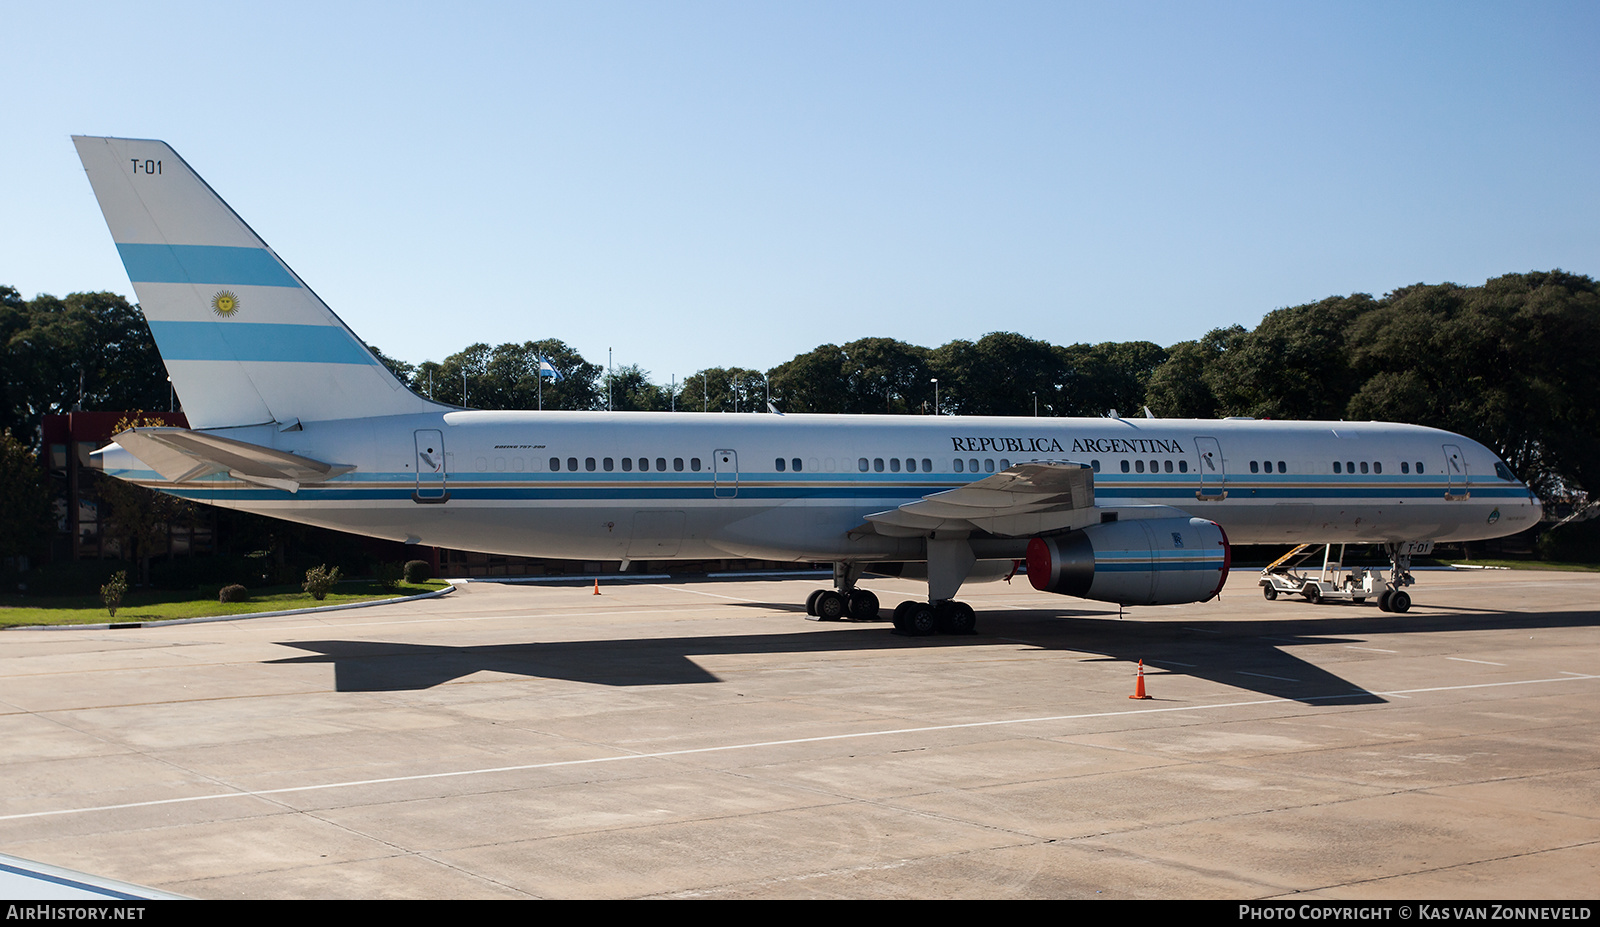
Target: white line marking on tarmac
x: 256, y: 793
x: 1465, y: 660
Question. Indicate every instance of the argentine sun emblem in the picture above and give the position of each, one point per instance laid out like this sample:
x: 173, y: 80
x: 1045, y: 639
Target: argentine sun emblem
x: 224, y: 303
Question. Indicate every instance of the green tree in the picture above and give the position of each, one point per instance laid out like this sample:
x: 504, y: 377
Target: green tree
x: 24, y: 501
x: 999, y: 375
x: 507, y: 377
x: 138, y: 518
x: 91, y: 351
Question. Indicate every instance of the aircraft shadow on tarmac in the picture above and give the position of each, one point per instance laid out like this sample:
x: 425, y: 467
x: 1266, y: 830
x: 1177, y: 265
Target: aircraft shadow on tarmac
x: 1247, y: 655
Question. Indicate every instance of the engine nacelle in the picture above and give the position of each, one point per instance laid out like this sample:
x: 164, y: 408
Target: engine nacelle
x: 1153, y: 561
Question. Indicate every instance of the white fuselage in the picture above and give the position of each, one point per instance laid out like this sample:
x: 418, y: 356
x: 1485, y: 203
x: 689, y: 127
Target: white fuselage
x: 661, y: 486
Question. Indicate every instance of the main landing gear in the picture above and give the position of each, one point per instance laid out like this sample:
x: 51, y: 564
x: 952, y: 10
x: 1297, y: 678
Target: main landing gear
x: 845, y: 602
x: 947, y: 617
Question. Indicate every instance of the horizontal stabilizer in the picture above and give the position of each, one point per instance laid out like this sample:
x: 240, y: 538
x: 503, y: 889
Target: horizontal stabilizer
x: 179, y: 455
x: 1022, y: 500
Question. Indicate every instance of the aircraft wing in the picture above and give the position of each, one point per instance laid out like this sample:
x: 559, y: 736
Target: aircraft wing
x: 179, y: 454
x: 1022, y: 500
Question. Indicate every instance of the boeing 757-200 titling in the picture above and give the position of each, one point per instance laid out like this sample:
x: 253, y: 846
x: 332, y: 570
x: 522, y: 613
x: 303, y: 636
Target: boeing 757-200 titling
x: 292, y: 416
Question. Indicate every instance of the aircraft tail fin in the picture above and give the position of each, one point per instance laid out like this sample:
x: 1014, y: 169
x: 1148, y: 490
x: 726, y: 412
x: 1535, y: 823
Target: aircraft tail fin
x: 244, y: 339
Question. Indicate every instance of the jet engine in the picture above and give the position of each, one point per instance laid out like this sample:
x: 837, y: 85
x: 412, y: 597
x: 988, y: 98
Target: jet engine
x: 1154, y: 561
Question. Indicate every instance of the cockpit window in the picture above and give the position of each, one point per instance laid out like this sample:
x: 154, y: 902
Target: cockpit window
x: 1503, y: 471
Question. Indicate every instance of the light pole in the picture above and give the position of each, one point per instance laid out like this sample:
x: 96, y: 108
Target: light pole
x: 935, y: 382
x: 1035, y: 403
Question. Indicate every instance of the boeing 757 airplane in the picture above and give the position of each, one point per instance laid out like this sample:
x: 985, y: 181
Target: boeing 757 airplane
x: 293, y: 417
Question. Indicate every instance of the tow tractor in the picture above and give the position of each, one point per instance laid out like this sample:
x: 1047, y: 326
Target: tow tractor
x: 1288, y: 575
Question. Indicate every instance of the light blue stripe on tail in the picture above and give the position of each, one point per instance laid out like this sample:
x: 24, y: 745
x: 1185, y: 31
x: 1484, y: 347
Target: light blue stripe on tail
x: 257, y: 341
x: 210, y: 264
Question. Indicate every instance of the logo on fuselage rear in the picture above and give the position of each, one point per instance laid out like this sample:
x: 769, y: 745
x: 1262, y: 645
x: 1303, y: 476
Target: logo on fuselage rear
x: 1494, y: 516
x: 224, y: 303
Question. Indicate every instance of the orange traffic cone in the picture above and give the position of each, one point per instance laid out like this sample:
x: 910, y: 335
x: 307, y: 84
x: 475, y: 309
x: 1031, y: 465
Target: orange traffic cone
x: 597, y: 585
x: 1138, y: 687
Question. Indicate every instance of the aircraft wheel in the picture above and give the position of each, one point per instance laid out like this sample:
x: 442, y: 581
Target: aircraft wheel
x: 1383, y: 599
x: 830, y: 606
x: 902, y: 614
x: 811, y: 601
x: 921, y: 620
x: 1269, y: 592
x: 863, y: 605
x: 956, y: 618
x: 1400, y: 602
x: 1312, y: 592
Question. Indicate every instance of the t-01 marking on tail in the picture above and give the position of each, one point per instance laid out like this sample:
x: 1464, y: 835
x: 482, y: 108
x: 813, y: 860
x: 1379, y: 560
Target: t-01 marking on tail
x: 293, y: 417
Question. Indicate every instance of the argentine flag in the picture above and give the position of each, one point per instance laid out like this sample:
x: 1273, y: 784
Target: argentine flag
x: 546, y: 369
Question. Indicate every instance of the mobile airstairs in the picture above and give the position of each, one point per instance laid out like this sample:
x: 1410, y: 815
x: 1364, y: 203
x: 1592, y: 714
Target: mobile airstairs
x: 1289, y: 575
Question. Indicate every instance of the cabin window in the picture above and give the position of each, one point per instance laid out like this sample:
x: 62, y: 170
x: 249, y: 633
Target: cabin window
x: 877, y: 464
x: 1349, y: 466
x: 1363, y: 466
x: 779, y: 464
x: 608, y: 463
x: 644, y: 464
x: 1183, y: 466
x: 960, y: 467
x: 677, y: 464
x: 627, y: 464
x: 1094, y: 465
x: 1503, y: 471
x: 1419, y: 466
x: 1138, y: 466
x: 1005, y: 464
x: 1167, y: 465
x: 1283, y: 467
x: 862, y: 465
x: 988, y: 465
x: 1405, y: 467
x: 927, y: 465
x: 694, y: 464
x: 894, y: 465
x: 1254, y: 467
x: 1336, y: 467
x: 1377, y: 467
x: 588, y: 463
x: 1125, y: 466
x: 972, y: 464
x: 661, y: 464
x: 555, y: 464
x: 572, y: 463
x: 795, y: 465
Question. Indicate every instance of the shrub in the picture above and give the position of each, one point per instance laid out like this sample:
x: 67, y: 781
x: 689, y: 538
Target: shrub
x: 319, y: 579
x: 418, y: 571
x: 233, y: 593
x: 387, y: 575
x: 111, y: 593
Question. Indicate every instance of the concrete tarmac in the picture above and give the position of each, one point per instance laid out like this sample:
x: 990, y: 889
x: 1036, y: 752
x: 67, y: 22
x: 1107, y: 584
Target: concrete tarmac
x: 702, y: 739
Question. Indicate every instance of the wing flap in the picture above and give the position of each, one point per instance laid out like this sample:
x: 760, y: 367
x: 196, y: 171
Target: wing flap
x: 1025, y: 499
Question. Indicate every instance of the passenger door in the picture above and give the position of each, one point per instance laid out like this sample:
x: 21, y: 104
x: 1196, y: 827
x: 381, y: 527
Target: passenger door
x: 724, y: 474
x: 1213, y: 473
x: 432, y: 485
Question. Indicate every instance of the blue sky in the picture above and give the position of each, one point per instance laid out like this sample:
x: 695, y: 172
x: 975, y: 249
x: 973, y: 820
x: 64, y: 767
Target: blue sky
x: 717, y: 184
